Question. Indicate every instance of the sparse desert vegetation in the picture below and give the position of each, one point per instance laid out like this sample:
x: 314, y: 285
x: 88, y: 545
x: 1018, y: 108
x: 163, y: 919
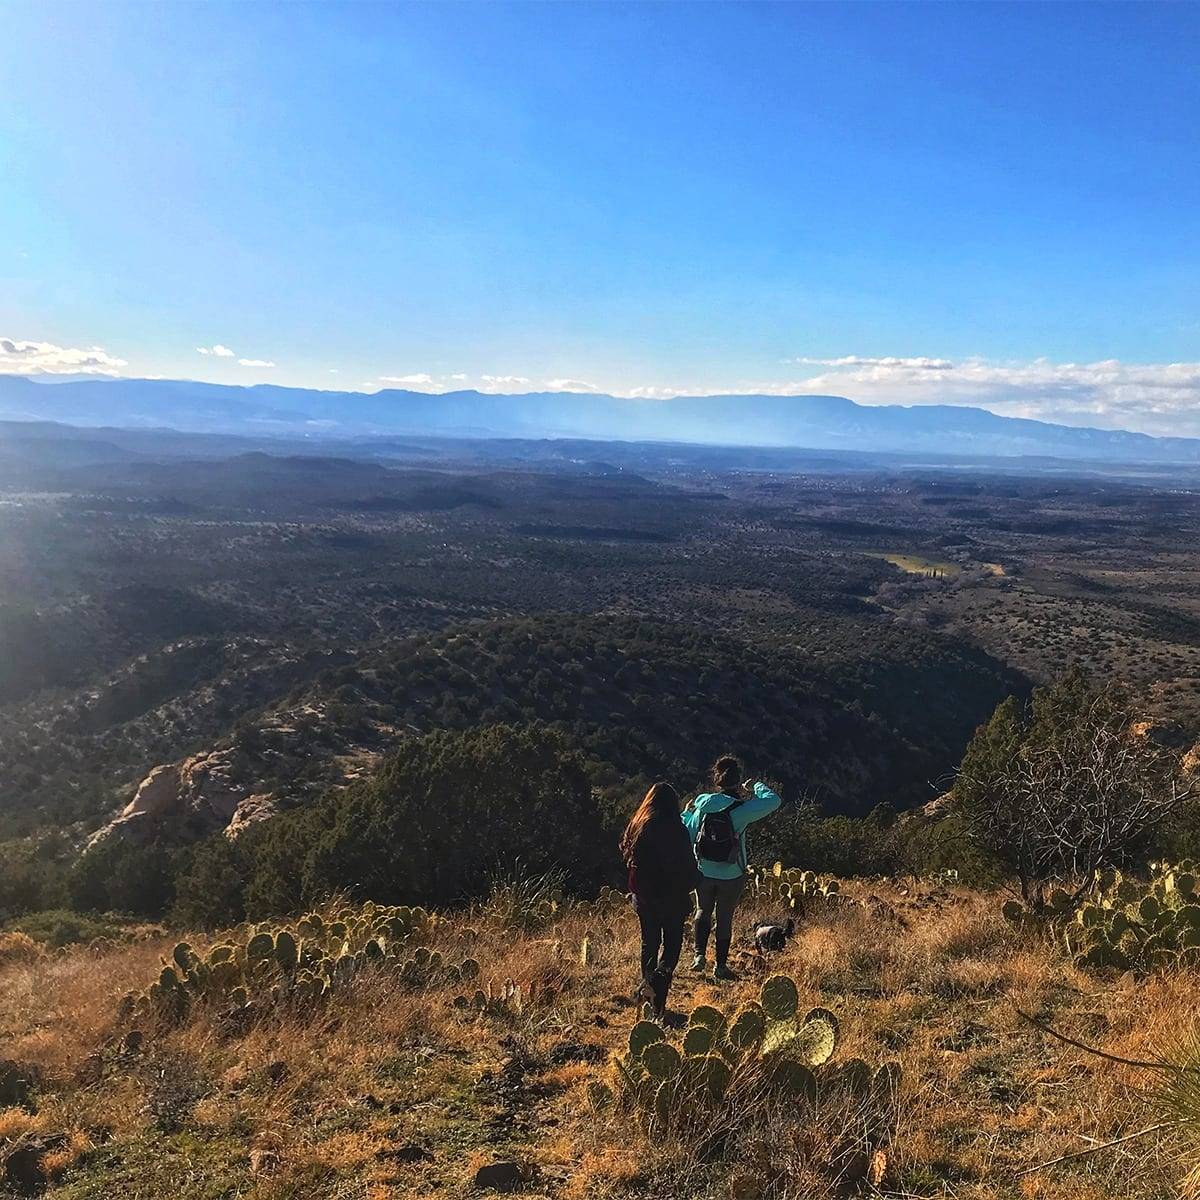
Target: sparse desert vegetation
x: 389, y: 659
x: 388, y: 1089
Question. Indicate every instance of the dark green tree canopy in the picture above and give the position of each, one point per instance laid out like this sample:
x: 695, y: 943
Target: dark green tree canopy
x: 445, y: 814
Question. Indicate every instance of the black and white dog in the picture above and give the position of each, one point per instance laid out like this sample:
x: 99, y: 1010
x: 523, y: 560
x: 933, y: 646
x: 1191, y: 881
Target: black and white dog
x: 773, y: 938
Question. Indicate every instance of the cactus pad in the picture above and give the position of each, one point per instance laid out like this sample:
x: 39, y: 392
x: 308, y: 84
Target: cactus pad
x: 814, y: 1043
x: 792, y: 1077
x: 662, y: 1060
x: 708, y: 1017
x: 747, y: 1030
x: 643, y: 1034
x: 260, y: 946
x: 779, y: 998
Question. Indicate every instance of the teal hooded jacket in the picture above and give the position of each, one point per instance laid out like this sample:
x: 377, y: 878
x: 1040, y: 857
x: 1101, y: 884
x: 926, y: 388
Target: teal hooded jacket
x: 761, y: 804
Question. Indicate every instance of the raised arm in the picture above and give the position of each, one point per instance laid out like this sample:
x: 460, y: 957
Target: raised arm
x: 761, y: 804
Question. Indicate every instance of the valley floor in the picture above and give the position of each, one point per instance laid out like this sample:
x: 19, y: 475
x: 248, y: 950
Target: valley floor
x: 388, y: 1093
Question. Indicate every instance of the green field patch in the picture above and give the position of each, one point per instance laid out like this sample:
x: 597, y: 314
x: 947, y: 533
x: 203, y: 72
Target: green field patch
x: 914, y: 564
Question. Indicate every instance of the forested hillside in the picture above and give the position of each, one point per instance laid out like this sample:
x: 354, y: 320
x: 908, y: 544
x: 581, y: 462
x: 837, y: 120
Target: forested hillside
x: 248, y: 635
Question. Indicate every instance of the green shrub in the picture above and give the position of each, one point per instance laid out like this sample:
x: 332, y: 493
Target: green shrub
x: 436, y: 822
x: 122, y: 876
x: 58, y: 927
x: 210, y: 890
x: 32, y: 876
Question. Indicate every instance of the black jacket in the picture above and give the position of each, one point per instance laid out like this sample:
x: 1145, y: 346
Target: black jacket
x: 663, y: 872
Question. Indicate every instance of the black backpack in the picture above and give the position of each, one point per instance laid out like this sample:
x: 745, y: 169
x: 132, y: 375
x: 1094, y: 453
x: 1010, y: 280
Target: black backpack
x: 718, y: 841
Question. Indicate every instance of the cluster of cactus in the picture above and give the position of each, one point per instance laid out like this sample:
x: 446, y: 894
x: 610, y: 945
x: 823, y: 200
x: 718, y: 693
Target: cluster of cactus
x: 507, y: 999
x: 302, y: 961
x: 607, y: 903
x: 791, y: 886
x: 1124, y: 923
x: 766, y: 1046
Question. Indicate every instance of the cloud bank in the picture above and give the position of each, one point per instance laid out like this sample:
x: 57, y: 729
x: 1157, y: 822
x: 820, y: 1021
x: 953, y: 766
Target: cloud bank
x: 44, y: 358
x: 1159, y: 398
x: 1152, y: 397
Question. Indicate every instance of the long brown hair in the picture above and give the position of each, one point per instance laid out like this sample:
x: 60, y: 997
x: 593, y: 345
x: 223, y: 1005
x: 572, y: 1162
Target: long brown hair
x: 660, y: 801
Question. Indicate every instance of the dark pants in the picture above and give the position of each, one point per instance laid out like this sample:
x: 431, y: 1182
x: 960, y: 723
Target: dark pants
x: 723, y: 896
x: 662, y: 939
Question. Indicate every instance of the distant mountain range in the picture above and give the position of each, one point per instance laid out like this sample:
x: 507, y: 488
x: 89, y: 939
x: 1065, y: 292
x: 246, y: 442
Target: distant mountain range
x: 812, y: 422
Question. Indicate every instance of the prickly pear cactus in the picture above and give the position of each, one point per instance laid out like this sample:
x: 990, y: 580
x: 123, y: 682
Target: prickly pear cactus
x: 766, y: 1046
x: 1121, y: 923
x: 793, y: 888
x: 261, y: 967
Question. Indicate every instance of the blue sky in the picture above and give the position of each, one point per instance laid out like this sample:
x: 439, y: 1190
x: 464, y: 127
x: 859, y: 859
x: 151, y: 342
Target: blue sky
x: 994, y: 204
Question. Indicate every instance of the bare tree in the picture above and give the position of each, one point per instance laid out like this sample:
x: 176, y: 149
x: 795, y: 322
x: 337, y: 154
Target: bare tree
x: 1067, y: 785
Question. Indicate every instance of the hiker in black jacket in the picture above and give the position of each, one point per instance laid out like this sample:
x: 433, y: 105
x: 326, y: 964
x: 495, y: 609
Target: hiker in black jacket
x: 662, y: 873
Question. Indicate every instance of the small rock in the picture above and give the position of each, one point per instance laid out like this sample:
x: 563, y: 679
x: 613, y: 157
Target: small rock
x: 410, y: 1152
x: 23, y: 1168
x: 17, y: 1084
x: 501, y: 1176
x: 573, y: 1052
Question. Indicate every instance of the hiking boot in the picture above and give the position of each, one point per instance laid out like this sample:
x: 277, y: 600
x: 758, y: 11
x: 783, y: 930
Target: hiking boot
x: 723, y: 973
x: 698, y: 964
x: 660, y: 985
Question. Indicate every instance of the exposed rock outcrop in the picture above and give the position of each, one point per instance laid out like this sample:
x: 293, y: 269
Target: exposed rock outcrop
x: 1190, y: 762
x: 254, y: 808
x: 191, y: 798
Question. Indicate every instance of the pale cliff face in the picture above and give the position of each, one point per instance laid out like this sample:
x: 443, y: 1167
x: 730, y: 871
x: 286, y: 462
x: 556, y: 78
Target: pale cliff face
x: 203, y: 793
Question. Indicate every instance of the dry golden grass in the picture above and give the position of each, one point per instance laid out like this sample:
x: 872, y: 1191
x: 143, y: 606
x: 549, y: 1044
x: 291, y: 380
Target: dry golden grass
x: 16, y: 948
x: 392, y: 1093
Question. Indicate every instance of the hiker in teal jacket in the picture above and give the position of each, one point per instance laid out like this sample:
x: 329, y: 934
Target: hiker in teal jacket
x: 723, y: 879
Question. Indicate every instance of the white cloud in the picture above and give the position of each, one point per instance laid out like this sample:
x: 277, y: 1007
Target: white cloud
x: 571, y: 385
x: 458, y: 378
x: 856, y: 360
x: 499, y: 382
x: 254, y: 362
x: 421, y: 378
x: 654, y: 393
x: 216, y: 351
x: 44, y: 358
x: 1152, y: 397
